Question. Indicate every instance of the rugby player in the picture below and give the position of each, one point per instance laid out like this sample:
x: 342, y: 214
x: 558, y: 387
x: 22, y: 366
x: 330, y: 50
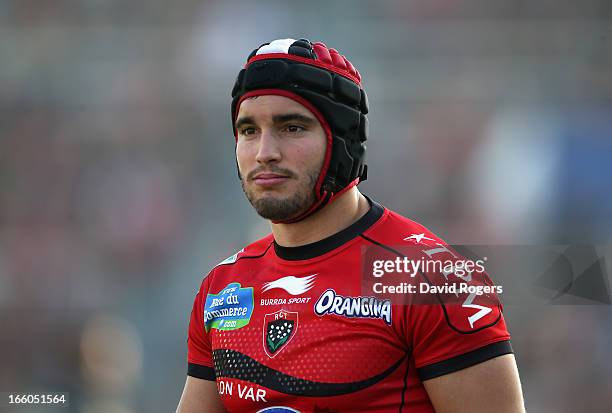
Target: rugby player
x: 283, y: 325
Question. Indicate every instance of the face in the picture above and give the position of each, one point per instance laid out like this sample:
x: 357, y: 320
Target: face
x: 280, y: 152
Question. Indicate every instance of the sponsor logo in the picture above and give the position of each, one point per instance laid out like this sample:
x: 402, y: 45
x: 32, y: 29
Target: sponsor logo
x: 482, y: 310
x: 467, y: 277
x: 230, y: 309
x: 245, y: 391
x: 291, y: 284
x: 418, y: 238
x: 278, y: 409
x: 283, y: 301
x: 353, y: 307
x: 278, y: 329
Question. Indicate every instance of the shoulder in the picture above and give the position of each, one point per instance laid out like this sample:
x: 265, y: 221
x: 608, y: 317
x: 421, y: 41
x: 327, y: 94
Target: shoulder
x: 246, y: 257
x: 396, y: 229
x: 254, y: 250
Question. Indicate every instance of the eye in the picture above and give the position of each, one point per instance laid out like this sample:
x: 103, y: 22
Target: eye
x: 247, y: 131
x: 295, y: 128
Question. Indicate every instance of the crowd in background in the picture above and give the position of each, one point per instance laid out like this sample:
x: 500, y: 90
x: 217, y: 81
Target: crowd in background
x: 490, y: 124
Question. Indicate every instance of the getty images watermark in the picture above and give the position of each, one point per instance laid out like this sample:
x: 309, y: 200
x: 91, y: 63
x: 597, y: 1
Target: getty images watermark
x: 462, y: 269
x: 520, y: 274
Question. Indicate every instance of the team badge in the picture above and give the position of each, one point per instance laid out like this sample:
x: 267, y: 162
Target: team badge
x: 278, y: 329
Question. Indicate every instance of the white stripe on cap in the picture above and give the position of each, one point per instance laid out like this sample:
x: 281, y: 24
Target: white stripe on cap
x: 276, y: 46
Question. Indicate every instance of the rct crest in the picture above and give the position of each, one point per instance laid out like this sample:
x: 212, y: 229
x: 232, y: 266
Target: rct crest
x: 278, y: 329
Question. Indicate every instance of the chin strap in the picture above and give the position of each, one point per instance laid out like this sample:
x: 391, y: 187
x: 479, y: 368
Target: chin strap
x: 326, y: 199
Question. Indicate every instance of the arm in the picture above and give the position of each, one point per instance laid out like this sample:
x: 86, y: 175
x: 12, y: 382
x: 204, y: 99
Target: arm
x: 491, y: 386
x: 200, y: 396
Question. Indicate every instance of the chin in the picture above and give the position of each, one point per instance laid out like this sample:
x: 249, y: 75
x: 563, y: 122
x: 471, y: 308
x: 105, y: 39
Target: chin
x: 272, y: 197
x: 279, y: 207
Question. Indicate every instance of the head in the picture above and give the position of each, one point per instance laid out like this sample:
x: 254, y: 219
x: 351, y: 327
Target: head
x: 280, y: 150
x: 298, y: 112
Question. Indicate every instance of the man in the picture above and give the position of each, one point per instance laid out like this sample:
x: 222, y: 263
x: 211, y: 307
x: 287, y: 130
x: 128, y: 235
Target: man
x: 283, y: 325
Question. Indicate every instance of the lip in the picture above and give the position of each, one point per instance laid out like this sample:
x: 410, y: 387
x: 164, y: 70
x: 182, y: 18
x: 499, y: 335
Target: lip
x: 269, y: 179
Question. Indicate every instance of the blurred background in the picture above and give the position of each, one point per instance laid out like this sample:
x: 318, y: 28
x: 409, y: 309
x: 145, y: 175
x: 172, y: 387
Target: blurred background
x: 490, y: 123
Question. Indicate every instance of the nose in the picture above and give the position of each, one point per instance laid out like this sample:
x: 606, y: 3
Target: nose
x: 269, y: 148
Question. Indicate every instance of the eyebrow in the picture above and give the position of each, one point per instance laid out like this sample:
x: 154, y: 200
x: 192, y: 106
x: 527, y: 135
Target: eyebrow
x: 306, y: 120
x: 247, y: 120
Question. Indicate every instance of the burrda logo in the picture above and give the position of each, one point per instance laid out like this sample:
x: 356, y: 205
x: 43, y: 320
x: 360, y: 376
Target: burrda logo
x: 291, y: 284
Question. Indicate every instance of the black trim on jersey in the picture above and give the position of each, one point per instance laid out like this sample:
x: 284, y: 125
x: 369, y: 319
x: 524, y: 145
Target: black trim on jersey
x: 235, y: 365
x: 332, y: 242
x: 408, y: 359
x: 465, y: 360
x: 201, y: 372
x: 492, y: 323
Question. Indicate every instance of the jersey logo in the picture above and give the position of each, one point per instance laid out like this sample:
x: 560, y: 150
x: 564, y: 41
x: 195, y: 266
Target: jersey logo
x: 230, y: 309
x: 353, y: 307
x: 482, y: 311
x: 278, y: 329
x: 417, y: 238
x: 456, y: 319
x: 291, y: 284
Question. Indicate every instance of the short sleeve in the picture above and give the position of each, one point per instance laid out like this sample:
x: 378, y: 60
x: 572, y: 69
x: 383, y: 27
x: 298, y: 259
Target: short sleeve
x: 439, y: 348
x: 456, y: 329
x: 199, y: 353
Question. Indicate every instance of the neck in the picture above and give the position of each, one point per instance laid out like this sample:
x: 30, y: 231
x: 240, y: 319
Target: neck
x: 334, y: 217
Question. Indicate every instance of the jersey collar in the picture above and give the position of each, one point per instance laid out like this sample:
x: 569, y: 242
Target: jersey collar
x: 315, y: 249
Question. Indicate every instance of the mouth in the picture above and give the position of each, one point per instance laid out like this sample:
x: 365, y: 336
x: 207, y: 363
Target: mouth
x: 267, y: 180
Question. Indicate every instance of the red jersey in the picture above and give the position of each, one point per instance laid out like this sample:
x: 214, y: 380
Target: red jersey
x: 297, y: 329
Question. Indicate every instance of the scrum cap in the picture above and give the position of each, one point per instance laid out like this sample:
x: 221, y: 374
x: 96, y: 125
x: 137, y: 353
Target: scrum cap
x: 329, y: 86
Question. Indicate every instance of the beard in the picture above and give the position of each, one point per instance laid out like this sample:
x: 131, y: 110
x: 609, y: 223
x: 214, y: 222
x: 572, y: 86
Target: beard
x: 274, y: 208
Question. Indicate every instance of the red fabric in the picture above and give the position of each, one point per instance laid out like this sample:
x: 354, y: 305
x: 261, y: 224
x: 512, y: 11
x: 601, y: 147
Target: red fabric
x: 198, y: 341
x: 353, y: 183
x: 350, y: 67
x: 355, y: 77
x: 330, y: 347
x: 322, y: 52
x: 337, y: 60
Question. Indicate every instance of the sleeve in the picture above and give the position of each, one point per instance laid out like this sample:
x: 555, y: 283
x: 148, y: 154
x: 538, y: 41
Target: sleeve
x: 439, y: 348
x: 199, y: 353
x: 454, y: 328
